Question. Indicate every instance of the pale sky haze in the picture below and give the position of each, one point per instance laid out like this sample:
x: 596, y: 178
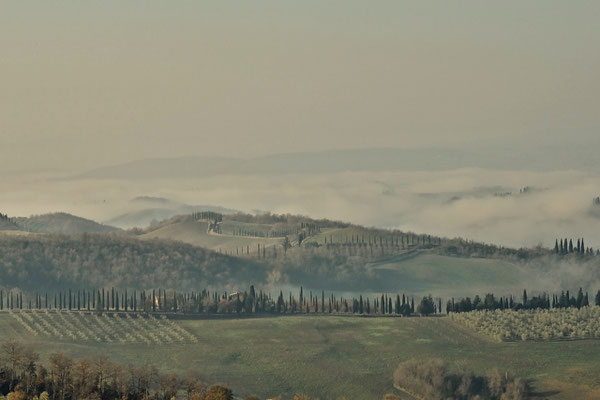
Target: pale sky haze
x: 85, y: 84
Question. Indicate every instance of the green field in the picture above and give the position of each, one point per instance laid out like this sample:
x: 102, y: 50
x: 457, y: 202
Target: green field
x: 421, y: 272
x: 339, y: 356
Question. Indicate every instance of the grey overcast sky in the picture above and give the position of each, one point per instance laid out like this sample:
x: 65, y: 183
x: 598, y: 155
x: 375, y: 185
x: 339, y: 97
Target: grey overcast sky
x: 85, y: 83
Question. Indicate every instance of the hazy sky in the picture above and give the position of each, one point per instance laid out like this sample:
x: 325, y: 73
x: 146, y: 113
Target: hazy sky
x: 87, y: 83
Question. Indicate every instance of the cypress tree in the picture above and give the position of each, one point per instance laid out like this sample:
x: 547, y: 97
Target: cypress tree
x: 556, y: 246
x: 571, y: 246
x: 579, y: 300
x: 524, y: 298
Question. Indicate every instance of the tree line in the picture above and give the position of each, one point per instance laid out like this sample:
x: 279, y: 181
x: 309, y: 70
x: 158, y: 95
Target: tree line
x: 568, y: 247
x: 208, y: 215
x: 23, y: 376
x: 542, y: 301
x: 213, y: 302
x: 259, y: 302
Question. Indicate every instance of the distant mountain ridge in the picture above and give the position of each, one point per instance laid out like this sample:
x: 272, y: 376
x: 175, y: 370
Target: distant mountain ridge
x: 501, y: 157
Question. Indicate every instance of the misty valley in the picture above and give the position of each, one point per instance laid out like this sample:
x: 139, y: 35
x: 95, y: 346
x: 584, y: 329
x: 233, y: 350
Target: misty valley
x: 299, y: 200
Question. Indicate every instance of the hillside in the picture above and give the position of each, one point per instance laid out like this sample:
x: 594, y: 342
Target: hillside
x: 62, y: 223
x: 48, y: 262
x: 226, y: 251
x: 188, y: 230
x: 145, y: 210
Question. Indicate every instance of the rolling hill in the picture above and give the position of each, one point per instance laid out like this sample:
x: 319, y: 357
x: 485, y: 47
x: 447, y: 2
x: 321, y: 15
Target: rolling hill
x: 147, y: 210
x: 61, y: 223
x: 188, y: 230
x: 38, y: 262
x: 215, y: 250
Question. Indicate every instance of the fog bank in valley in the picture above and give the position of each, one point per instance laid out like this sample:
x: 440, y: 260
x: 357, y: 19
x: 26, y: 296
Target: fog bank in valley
x: 508, y: 208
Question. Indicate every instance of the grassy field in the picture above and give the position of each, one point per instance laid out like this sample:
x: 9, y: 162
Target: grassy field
x: 421, y: 272
x: 340, y: 356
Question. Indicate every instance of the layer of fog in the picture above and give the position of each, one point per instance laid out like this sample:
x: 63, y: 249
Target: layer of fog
x: 470, y: 203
